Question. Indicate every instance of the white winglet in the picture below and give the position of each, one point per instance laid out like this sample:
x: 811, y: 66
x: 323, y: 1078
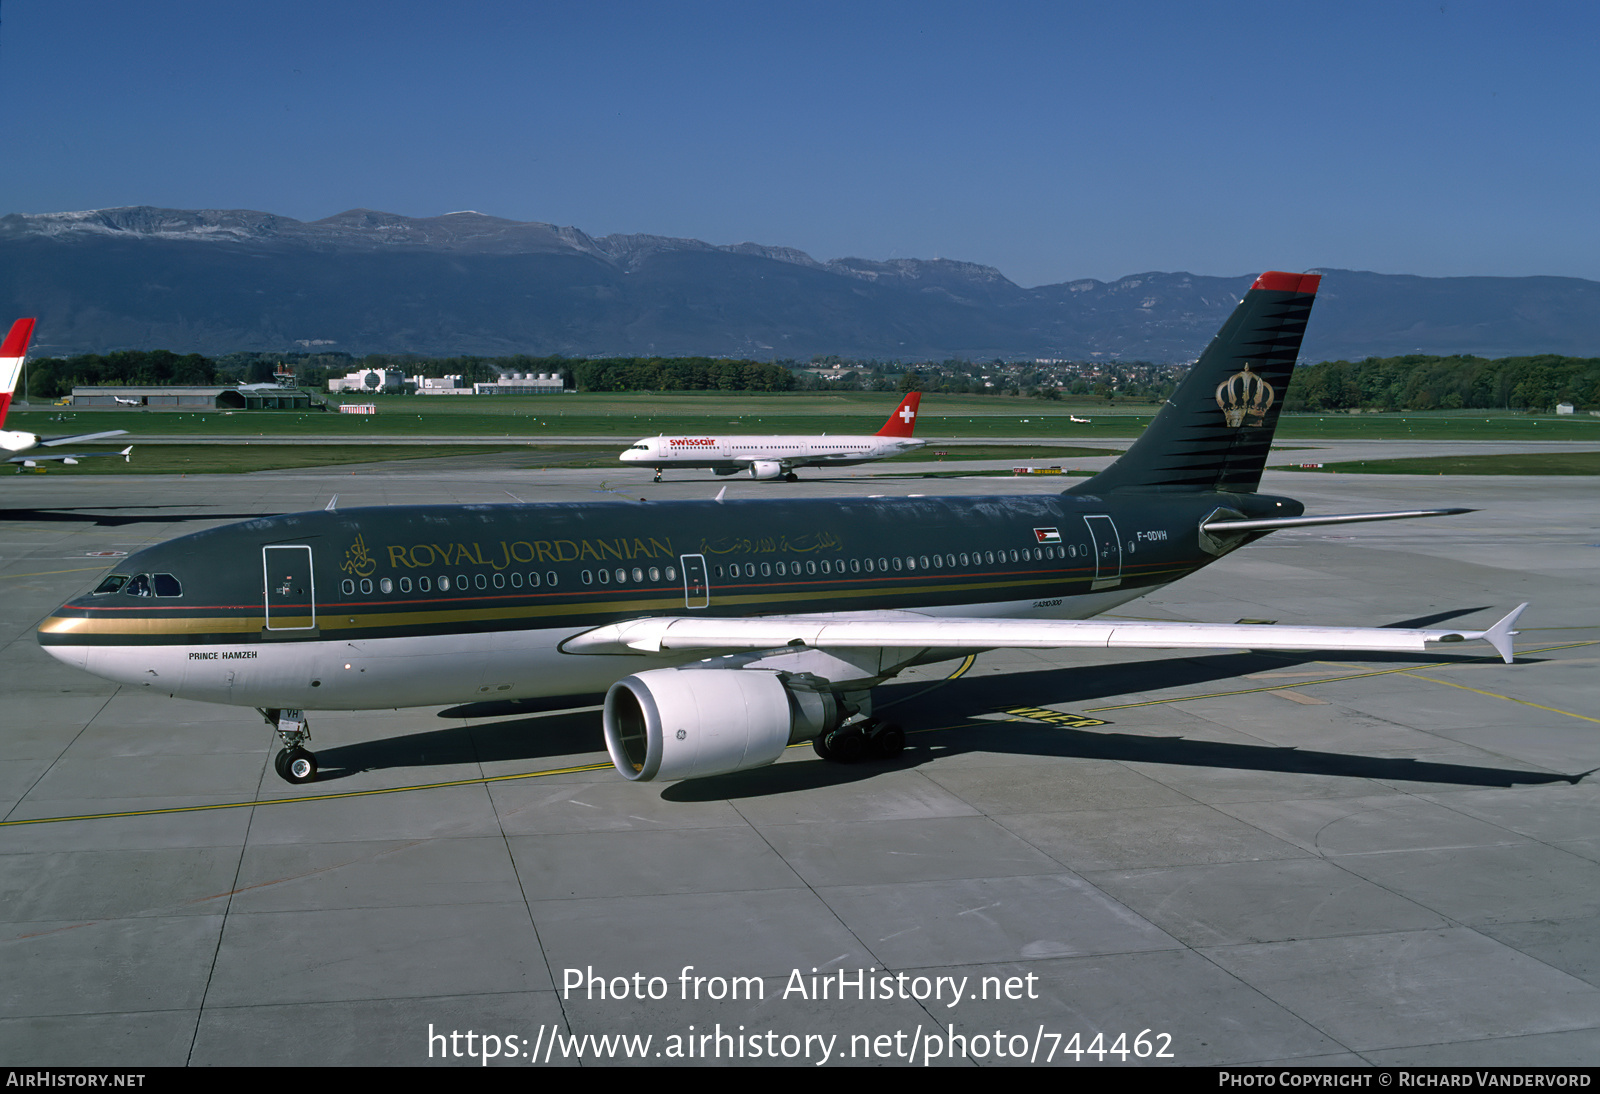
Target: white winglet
x: 1499, y: 635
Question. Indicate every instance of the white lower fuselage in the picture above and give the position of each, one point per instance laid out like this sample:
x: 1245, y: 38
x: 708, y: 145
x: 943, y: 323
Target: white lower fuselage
x: 439, y: 670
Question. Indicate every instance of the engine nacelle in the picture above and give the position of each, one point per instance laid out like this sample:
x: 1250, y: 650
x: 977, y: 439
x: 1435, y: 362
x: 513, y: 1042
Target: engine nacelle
x: 689, y: 723
x: 13, y: 440
x: 766, y: 469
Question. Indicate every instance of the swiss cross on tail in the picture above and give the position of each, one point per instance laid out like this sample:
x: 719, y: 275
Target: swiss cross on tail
x: 900, y: 423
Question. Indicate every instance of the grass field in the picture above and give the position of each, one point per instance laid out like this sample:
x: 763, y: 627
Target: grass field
x: 229, y: 459
x: 629, y: 415
x: 1531, y: 463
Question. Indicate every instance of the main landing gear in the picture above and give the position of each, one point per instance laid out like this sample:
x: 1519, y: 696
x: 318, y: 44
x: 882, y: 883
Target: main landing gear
x: 293, y: 763
x: 871, y: 739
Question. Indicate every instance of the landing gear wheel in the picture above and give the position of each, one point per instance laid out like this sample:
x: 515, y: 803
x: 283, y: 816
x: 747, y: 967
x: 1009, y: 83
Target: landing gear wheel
x: 844, y: 746
x: 296, y: 765
x: 791, y: 477
x: 887, y: 742
x: 279, y: 762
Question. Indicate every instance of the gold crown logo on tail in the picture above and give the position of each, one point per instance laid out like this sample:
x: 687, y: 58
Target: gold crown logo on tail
x: 1245, y: 395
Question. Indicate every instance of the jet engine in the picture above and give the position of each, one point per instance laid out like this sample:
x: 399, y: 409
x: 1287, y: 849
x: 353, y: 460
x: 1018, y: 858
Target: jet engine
x: 766, y: 469
x: 687, y: 723
x: 15, y: 441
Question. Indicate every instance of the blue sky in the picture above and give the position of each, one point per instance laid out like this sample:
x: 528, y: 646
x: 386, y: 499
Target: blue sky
x: 1054, y: 141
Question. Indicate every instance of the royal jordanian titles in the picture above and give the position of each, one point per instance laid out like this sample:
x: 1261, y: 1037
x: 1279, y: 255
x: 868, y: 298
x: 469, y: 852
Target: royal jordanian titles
x: 776, y: 457
x: 719, y: 633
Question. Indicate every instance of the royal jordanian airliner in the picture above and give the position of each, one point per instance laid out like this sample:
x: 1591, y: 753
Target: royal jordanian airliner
x: 776, y: 457
x: 719, y: 633
x: 13, y: 353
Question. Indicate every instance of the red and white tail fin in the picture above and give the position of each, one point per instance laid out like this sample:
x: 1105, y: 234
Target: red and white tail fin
x: 904, y: 418
x: 12, y: 353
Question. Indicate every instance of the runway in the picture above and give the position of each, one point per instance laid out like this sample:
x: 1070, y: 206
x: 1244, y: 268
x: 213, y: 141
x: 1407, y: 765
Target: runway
x: 1228, y: 858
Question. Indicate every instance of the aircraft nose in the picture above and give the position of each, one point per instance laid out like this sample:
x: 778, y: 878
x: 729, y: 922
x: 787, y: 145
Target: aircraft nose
x: 55, y: 637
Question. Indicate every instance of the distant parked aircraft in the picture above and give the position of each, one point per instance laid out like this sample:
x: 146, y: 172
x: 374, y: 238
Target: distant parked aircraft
x: 13, y: 352
x: 776, y: 457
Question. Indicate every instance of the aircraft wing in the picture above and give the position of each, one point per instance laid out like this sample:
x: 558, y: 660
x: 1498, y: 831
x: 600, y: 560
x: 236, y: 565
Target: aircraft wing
x: 33, y: 459
x: 83, y: 438
x: 912, y: 630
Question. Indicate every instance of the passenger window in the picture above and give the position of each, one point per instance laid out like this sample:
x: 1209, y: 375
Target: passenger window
x: 423, y: 584
x: 826, y: 568
x: 444, y: 583
x: 533, y: 580
x: 516, y: 580
x: 622, y: 576
x: 897, y: 562
x: 766, y: 569
x: 672, y: 575
x: 482, y: 582
x: 499, y: 581
x: 855, y: 565
x: 405, y: 584
x: 461, y: 582
x: 111, y: 584
x: 655, y: 573
x: 386, y: 586
x: 604, y: 576
x: 366, y: 586
x: 347, y: 587
x: 587, y: 577
x: 924, y: 561
x: 783, y: 569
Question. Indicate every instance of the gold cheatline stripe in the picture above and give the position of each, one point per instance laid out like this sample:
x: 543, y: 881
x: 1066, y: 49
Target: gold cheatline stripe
x: 337, y: 621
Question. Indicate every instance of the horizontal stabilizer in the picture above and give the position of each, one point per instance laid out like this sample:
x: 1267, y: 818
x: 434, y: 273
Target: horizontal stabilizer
x: 911, y: 630
x: 1271, y: 523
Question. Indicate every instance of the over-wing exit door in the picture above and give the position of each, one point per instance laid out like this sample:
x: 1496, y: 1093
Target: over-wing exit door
x: 1107, y: 552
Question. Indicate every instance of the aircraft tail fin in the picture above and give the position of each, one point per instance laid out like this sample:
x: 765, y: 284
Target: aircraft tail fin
x: 1215, y: 430
x: 13, y: 351
x: 904, y: 418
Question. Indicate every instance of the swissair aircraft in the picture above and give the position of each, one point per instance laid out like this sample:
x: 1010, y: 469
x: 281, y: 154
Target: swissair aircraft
x: 777, y: 457
x: 13, y: 352
x: 720, y: 633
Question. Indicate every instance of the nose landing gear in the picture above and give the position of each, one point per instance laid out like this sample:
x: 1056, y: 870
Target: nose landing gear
x: 293, y: 763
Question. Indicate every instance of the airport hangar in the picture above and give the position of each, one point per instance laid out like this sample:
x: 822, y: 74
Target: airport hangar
x: 1299, y: 859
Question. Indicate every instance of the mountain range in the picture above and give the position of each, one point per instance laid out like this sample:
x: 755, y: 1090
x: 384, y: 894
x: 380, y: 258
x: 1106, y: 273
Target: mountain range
x: 213, y: 281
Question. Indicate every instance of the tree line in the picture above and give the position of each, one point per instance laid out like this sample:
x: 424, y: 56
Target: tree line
x: 1420, y: 382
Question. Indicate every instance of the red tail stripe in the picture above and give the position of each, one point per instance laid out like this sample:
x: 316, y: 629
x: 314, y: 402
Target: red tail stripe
x: 16, y: 343
x: 1279, y: 281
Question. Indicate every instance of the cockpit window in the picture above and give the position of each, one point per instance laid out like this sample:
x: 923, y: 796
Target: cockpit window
x: 167, y: 585
x: 111, y: 584
x: 139, y: 586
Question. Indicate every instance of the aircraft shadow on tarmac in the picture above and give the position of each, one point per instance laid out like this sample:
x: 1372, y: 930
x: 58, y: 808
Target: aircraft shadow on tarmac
x: 104, y: 519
